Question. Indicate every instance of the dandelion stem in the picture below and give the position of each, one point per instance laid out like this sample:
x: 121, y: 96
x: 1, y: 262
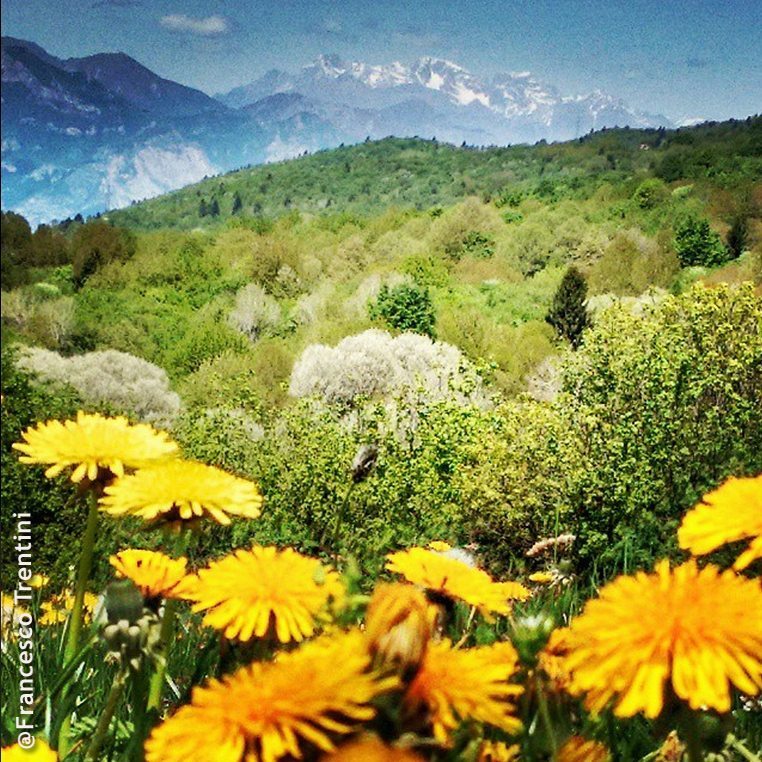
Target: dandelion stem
x: 75, y: 621
x: 340, y: 517
x: 112, y: 702
x: 165, y: 636
x: 692, y: 739
x: 546, y: 721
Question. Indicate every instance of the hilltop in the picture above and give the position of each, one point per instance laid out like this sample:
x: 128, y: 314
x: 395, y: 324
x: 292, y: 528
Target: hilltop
x: 368, y: 178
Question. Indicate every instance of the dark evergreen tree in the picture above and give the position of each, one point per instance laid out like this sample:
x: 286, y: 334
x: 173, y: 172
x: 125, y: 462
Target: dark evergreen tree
x: 568, y: 311
x: 738, y: 237
x: 203, y: 210
x: 237, y: 203
x: 214, y: 208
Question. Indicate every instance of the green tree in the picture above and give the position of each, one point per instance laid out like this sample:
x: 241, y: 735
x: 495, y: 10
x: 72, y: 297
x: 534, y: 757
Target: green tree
x: 97, y: 243
x: 696, y: 244
x: 406, y: 307
x: 237, y: 203
x: 568, y: 311
x: 17, y: 248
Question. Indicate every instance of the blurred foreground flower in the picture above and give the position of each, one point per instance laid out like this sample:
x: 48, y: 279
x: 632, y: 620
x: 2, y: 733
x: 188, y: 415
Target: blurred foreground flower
x: 371, y: 749
x: 93, y: 445
x: 154, y: 574
x: 578, y: 749
x: 58, y: 609
x: 262, y: 711
x: 453, y: 579
x: 180, y: 490
x: 497, y: 751
x: 699, y: 630
x: 248, y: 592
x: 729, y: 513
x: 40, y: 752
x: 398, y: 625
x: 453, y: 685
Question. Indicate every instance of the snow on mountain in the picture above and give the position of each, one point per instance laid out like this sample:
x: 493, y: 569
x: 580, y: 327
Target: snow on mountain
x: 529, y: 106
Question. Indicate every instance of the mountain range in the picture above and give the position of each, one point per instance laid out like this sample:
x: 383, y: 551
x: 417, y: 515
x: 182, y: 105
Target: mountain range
x: 87, y: 134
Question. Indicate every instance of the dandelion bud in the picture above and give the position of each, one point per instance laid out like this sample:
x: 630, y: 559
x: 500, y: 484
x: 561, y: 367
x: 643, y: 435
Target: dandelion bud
x: 123, y: 601
x: 399, y: 623
x: 530, y: 634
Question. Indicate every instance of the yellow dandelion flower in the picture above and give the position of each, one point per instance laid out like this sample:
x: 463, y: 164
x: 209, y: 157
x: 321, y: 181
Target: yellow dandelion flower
x: 154, y: 574
x: 398, y: 625
x: 40, y: 752
x: 453, y: 685
x: 698, y: 629
x: 729, y: 513
x: 578, y: 749
x: 11, y: 614
x: 440, y: 546
x: 452, y: 578
x: 59, y: 607
x: 541, y: 578
x: 182, y: 490
x: 497, y: 751
x: 247, y: 593
x: 263, y: 711
x: 94, y: 444
x: 38, y: 581
x: 371, y: 749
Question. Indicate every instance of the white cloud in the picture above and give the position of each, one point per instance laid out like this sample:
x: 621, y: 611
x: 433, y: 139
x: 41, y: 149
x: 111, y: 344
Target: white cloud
x: 206, y: 27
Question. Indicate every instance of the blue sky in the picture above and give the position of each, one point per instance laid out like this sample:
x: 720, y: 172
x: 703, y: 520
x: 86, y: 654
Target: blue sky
x: 682, y: 58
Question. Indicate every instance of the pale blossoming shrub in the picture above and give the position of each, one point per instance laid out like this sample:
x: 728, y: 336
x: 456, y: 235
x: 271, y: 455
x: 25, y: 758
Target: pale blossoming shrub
x: 109, y: 378
x: 256, y: 313
x: 374, y: 364
x: 40, y: 313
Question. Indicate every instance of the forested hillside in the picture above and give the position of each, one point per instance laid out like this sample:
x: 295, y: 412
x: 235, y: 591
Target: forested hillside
x: 367, y: 178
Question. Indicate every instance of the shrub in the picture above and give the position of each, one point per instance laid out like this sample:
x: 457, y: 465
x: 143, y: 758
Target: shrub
x: 631, y: 263
x: 697, y: 244
x: 568, y: 312
x: 373, y: 364
x: 108, y: 379
x: 650, y: 193
x: 256, y: 313
x: 405, y: 307
x: 656, y: 409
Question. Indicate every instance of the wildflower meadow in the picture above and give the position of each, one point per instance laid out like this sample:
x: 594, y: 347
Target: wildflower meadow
x: 268, y: 654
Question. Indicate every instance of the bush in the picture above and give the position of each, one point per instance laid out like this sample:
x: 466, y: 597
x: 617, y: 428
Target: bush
x: 373, y: 364
x: 650, y: 193
x: 405, y: 307
x: 697, y: 244
x: 256, y: 313
x: 656, y: 410
x: 112, y: 380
